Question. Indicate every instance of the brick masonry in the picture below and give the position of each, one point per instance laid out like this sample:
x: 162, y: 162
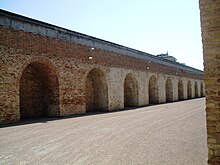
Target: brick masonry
x: 44, y: 73
x: 210, y: 23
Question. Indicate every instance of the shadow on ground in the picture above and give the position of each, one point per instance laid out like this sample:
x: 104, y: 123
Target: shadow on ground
x: 47, y: 119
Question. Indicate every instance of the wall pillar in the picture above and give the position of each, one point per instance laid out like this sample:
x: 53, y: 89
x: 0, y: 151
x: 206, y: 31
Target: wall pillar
x: 143, y: 89
x: 193, y: 89
x: 162, y: 88
x: 210, y: 23
x: 175, y: 81
x: 115, y: 89
x: 9, y: 96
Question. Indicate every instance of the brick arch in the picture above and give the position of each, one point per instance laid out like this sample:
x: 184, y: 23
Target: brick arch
x: 189, y: 89
x: 38, y: 89
x: 196, y: 90
x: 43, y: 60
x: 96, y: 91
x: 202, y: 89
x: 169, y: 90
x: 153, y: 90
x: 130, y: 91
x: 180, y: 90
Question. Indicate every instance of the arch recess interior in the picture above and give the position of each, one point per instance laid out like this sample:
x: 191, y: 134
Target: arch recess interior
x: 96, y: 91
x: 39, y: 90
x: 130, y: 91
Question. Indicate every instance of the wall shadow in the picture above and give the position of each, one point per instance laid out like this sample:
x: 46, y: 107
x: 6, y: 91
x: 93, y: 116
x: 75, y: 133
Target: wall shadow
x: 48, y: 119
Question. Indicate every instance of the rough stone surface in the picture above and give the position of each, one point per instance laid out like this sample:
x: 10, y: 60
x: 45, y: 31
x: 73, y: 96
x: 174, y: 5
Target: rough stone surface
x: 44, y: 75
x: 210, y: 22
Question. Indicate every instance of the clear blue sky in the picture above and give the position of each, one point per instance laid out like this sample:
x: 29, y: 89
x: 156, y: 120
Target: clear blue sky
x: 152, y: 26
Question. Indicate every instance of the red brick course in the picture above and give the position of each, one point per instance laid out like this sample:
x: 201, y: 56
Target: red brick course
x: 27, y: 43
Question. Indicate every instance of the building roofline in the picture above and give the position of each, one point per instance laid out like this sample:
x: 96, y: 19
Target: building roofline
x: 27, y: 24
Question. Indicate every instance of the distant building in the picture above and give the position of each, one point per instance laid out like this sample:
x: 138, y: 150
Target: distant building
x: 167, y: 57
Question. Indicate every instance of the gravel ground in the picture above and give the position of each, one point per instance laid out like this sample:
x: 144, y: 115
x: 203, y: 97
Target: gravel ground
x: 165, y: 134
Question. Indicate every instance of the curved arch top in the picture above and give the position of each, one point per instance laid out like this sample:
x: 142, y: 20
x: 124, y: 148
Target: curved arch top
x: 196, y: 90
x: 180, y: 90
x: 96, y: 91
x: 189, y: 89
x: 169, y: 90
x: 46, y: 61
x: 153, y: 90
x: 130, y: 91
x: 202, y: 89
x: 39, y: 90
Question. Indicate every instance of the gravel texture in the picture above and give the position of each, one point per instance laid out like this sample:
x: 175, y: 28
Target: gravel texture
x: 165, y: 134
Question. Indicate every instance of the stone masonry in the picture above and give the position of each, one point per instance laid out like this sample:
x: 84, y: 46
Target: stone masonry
x: 210, y: 23
x: 46, y: 70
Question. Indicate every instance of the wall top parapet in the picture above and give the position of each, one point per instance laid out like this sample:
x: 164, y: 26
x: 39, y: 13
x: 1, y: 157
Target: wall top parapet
x: 26, y: 24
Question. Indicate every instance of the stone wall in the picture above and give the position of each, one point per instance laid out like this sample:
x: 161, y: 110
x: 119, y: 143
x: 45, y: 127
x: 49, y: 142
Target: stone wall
x: 210, y: 22
x: 49, y: 75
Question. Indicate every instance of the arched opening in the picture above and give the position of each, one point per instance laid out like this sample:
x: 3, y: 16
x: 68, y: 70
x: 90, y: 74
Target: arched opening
x: 189, y: 90
x: 96, y: 91
x: 169, y: 90
x: 196, y: 90
x: 180, y: 90
x: 39, y: 91
x: 130, y: 91
x: 153, y: 90
x: 202, y: 89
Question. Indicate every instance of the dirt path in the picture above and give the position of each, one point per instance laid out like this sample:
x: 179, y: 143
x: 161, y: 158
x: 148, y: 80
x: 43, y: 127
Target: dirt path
x: 166, y: 134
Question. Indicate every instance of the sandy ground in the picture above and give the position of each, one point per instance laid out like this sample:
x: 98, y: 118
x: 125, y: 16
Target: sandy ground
x: 165, y: 134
